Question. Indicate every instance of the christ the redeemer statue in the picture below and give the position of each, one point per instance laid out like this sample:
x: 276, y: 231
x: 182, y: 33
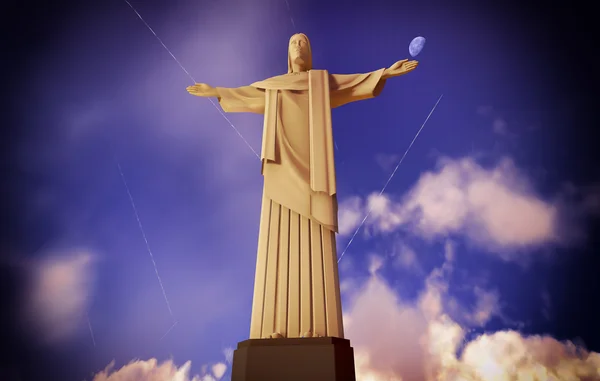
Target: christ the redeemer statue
x: 296, y: 289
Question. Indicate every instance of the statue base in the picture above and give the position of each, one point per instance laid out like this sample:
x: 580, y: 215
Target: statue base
x: 315, y: 358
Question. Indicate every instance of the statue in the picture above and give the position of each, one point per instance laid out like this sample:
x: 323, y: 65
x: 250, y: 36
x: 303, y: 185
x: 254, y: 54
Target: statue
x: 296, y: 290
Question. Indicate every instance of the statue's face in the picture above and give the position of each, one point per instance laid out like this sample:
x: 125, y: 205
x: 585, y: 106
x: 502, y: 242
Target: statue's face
x: 298, y: 48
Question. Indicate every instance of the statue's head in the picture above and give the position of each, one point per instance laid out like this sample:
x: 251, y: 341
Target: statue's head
x: 299, y: 53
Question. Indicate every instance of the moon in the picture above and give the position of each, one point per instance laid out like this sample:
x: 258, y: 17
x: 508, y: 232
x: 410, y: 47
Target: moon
x: 416, y: 45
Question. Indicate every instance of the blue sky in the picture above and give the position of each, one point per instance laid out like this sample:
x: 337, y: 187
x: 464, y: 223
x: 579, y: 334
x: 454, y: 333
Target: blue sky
x: 460, y: 257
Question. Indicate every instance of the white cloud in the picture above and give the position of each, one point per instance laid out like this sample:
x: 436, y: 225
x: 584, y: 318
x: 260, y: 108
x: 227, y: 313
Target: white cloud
x: 152, y: 370
x: 395, y: 340
x: 375, y: 264
x: 405, y: 257
x: 148, y: 370
x: 59, y: 295
x: 380, y: 328
x: 228, y: 352
x: 494, y: 208
x: 350, y: 214
x: 219, y: 370
x: 386, y: 215
x: 486, y: 306
x: 506, y: 355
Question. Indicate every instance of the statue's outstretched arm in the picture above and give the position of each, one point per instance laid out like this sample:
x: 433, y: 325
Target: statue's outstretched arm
x: 203, y: 90
x: 400, y: 68
x: 347, y: 88
x: 238, y: 99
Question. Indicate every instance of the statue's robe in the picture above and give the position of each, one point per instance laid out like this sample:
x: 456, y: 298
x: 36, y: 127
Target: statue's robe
x: 296, y: 287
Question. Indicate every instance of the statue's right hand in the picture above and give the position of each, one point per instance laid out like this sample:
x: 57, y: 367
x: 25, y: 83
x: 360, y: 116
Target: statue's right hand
x: 201, y: 90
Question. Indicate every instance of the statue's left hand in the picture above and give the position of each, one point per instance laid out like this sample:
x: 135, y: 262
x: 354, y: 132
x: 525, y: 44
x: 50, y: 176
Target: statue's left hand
x: 401, y: 67
x: 202, y: 90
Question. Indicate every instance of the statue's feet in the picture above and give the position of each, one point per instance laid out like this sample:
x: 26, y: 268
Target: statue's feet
x: 276, y: 335
x: 310, y: 334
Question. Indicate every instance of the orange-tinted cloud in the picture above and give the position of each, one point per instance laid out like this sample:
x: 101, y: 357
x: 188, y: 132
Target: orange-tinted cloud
x: 495, y: 208
x: 59, y: 294
x: 152, y: 370
x: 399, y: 341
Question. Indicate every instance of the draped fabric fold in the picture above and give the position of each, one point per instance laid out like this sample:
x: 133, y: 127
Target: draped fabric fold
x: 269, y: 130
x: 322, y: 165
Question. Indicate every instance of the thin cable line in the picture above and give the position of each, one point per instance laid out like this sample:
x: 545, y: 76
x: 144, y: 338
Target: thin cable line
x: 90, y: 327
x: 192, y: 78
x: 137, y: 217
x: 391, y: 176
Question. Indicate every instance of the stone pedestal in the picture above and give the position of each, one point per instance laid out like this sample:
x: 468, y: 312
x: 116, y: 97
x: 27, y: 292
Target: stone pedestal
x: 314, y: 359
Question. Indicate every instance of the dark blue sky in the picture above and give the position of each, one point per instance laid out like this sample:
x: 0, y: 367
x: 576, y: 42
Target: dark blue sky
x: 501, y: 186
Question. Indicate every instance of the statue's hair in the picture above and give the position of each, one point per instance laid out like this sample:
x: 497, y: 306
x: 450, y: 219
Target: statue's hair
x: 308, y: 65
